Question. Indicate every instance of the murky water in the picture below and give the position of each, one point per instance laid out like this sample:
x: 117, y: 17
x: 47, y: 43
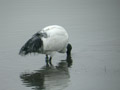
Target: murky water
x: 93, y: 27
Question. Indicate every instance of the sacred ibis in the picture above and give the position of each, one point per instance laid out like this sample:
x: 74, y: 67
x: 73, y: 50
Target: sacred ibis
x: 48, y: 41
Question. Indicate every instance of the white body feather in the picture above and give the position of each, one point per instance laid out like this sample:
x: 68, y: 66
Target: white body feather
x: 49, y: 40
x: 56, y: 41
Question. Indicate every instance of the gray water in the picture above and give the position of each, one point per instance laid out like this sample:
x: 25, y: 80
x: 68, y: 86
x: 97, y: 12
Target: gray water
x: 93, y: 27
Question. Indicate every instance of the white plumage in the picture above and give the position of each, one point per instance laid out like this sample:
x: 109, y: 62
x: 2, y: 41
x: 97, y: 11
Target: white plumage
x: 56, y: 41
x: 49, y: 40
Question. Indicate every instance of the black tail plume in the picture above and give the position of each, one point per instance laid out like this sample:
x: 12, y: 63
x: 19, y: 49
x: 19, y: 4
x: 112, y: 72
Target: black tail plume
x: 69, y: 48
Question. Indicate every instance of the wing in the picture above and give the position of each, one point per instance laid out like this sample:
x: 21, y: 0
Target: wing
x: 57, y: 39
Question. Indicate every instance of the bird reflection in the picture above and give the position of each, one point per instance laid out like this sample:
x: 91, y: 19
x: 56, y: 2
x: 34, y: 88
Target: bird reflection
x: 49, y: 76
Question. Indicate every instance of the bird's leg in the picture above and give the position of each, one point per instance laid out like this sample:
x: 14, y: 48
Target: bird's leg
x: 50, y: 60
x: 46, y: 59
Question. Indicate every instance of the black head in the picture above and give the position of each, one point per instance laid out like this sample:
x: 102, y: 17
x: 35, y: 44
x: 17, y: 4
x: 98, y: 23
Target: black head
x: 33, y: 45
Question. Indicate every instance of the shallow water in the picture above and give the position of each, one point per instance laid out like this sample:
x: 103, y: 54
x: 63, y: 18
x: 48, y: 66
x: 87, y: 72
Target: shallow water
x: 93, y: 27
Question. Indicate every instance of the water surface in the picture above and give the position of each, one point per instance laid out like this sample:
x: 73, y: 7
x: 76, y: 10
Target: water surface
x: 93, y: 27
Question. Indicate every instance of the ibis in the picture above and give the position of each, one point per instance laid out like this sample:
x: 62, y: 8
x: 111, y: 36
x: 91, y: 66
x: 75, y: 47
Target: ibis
x: 48, y: 41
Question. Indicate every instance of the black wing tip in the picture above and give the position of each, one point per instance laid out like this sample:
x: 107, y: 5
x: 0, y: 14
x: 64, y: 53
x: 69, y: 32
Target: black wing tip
x: 69, y: 48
